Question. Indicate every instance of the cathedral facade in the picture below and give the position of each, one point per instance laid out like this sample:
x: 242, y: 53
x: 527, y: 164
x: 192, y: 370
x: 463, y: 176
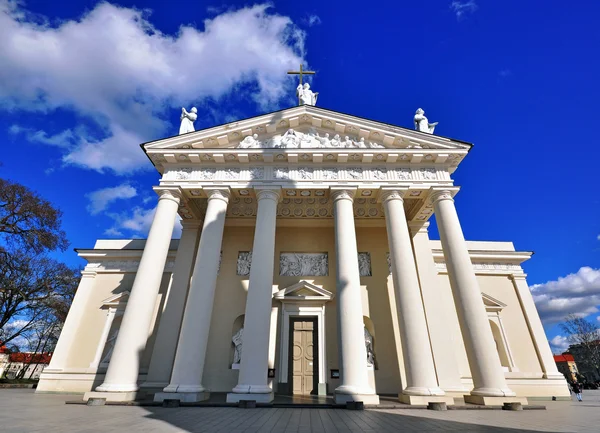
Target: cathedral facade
x: 305, y: 267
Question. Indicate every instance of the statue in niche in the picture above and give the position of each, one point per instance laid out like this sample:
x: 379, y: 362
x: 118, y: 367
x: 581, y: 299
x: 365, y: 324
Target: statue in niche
x: 305, y: 95
x: 291, y: 139
x: 250, y: 142
x: 369, y: 347
x: 421, y: 122
x: 110, y: 345
x: 237, y: 342
x: 364, y: 264
x: 187, y: 120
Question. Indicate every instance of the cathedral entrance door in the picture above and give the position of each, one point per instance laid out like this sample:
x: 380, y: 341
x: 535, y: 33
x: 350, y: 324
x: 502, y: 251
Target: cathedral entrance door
x: 303, y: 358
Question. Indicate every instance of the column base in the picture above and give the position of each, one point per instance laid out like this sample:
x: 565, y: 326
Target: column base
x: 234, y: 397
x: 183, y: 397
x: 184, y: 388
x: 422, y: 391
x: 365, y: 398
x: 494, y: 401
x: 424, y: 400
x: 111, y: 396
x: 117, y: 387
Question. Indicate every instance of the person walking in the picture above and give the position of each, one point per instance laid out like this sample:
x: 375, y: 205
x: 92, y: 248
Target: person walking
x: 577, y: 390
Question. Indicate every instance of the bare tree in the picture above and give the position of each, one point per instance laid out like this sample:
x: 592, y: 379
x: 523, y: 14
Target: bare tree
x: 33, y: 288
x: 29, y: 221
x: 584, y: 337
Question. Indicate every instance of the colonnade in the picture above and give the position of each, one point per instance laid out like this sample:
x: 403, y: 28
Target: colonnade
x: 186, y: 378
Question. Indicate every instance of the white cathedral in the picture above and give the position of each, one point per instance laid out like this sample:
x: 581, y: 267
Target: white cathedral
x: 305, y: 267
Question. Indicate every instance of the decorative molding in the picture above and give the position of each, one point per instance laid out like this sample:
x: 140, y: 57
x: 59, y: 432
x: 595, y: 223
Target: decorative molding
x: 122, y: 265
x: 299, y: 207
x: 481, y: 266
x: 303, y: 264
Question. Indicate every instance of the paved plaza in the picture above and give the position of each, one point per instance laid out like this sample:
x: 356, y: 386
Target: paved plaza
x: 24, y: 411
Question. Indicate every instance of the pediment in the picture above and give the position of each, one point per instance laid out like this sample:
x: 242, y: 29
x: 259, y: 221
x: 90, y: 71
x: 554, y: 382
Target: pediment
x: 307, y: 127
x: 492, y: 304
x: 120, y: 299
x: 303, y: 290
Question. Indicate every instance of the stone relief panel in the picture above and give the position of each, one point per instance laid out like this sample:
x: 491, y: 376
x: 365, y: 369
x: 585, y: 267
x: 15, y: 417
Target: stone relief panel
x: 257, y: 172
x: 403, y: 173
x: 364, y: 264
x: 303, y: 264
x: 293, y: 139
x: 428, y: 174
x: 243, y: 263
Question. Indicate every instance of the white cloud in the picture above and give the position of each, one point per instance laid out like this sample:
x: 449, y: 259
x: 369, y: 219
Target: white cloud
x: 577, y: 293
x: 598, y: 237
x: 504, y: 73
x: 102, y: 198
x: 113, y: 68
x: 559, y: 344
x: 137, y: 223
x: 462, y: 8
x: 63, y: 139
x: 314, y: 20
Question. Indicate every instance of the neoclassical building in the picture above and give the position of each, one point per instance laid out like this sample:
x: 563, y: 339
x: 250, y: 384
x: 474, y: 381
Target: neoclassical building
x: 305, y: 266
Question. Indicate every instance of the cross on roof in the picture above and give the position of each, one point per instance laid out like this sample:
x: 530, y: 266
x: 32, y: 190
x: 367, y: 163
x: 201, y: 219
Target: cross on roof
x: 301, y: 72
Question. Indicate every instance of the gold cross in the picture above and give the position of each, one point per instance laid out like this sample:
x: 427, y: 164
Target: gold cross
x: 301, y: 72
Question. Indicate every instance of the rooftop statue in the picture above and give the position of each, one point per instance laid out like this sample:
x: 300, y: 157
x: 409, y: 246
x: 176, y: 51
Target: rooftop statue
x: 422, y: 124
x: 305, y: 95
x: 187, y: 120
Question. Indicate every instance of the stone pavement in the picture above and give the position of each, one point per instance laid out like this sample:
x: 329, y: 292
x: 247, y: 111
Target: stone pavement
x: 24, y: 411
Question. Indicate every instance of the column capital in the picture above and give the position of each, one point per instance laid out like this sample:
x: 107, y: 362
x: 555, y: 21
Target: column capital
x: 191, y: 224
x: 218, y: 194
x: 269, y: 193
x: 391, y: 193
x: 341, y: 193
x: 437, y: 194
x: 418, y: 227
x: 173, y: 194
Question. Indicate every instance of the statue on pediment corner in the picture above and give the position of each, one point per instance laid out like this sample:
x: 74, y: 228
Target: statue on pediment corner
x: 187, y: 120
x: 421, y: 122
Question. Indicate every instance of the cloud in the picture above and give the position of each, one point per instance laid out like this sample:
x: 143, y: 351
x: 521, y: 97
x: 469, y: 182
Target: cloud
x: 462, y: 8
x: 559, y: 344
x: 125, y: 79
x: 63, y: 139
x: 314, y: 20
x: 598, y: 237
x: 577, y: 293
x: 504, y: 73
x: 102, y: 198
x: 137, y: 223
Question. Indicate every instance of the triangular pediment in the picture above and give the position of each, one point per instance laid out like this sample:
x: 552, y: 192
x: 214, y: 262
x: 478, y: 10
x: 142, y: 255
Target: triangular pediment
x: 307, y: 127
x: 492, y: 304
x: 303, y: 290
x: 120, y: 299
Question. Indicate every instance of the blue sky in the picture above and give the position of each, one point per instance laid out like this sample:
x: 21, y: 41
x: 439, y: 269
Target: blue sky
x: 83, y: 83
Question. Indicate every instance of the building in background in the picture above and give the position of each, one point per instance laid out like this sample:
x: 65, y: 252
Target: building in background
x: 567, y: 366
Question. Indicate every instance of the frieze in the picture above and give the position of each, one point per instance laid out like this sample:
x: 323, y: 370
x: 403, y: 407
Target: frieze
x: 303, y: 264
x: 293, y: 139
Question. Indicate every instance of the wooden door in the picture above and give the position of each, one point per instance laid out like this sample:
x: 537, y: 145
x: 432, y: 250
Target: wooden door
x: 303, y: 357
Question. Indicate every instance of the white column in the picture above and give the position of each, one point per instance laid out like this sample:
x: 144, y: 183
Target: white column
x: 421, y: 378
x: 123, y: 369
x: 354, y: 383
x: 72, y: 324
x: 186, y: 380
x: 163, y: 354
x: 253, y: 382
x: 536, y: 330
x: 484, y: 363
